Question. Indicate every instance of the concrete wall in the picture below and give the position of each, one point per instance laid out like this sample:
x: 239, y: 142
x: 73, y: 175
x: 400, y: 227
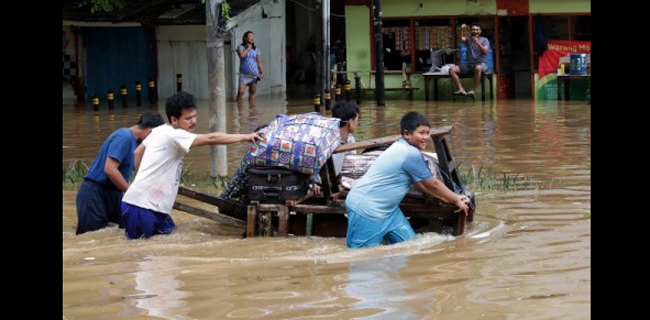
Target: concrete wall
x: 182, y: 49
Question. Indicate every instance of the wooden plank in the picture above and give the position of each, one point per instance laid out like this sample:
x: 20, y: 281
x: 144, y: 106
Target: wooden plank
x: 435, y: 132
x: 226, y: 207
x: 214, y: 216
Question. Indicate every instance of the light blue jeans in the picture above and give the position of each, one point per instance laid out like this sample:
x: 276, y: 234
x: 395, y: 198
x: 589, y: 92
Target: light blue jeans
x: 364, y: 232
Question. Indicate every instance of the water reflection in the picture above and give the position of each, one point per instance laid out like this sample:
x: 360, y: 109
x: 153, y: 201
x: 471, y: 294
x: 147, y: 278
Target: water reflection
x: 377, y: 286
x: 161, y: 295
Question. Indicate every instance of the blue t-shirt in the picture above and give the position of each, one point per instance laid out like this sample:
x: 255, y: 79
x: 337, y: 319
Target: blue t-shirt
x: 119, y: 146
x: 248, y: 65
x: 474, y: 53
x: 379, y: 192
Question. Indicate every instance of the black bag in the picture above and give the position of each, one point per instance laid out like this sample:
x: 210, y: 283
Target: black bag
x: 276, y: 185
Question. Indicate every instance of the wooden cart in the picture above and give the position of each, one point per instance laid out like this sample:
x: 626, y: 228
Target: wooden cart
x: 321, y: 215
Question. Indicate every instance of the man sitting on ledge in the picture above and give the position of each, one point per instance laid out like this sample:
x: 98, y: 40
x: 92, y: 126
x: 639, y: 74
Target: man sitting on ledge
x: 477, y: 49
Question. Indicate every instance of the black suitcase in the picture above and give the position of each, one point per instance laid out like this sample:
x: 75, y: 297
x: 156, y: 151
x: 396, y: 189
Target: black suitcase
x: 276, y: 185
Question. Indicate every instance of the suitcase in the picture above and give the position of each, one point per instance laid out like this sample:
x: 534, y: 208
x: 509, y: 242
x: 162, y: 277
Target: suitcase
x: 276, y: 184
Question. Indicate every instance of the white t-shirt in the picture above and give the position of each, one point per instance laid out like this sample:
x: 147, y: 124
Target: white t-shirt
x: 156, y: 183
x: 338, y: 157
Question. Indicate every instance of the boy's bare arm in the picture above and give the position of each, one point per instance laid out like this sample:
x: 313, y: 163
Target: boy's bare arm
x: 436, y: 188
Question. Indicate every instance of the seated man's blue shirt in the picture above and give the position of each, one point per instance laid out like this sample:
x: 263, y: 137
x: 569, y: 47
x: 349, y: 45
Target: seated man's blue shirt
x: 379, y: 192
x: 119, y: 146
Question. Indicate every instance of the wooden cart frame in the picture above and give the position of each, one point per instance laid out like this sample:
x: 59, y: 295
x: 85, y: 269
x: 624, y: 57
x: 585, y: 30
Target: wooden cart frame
x: 322, y: 216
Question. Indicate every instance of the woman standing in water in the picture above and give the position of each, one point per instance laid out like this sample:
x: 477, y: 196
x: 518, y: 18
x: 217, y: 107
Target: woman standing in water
x: 250, y: 66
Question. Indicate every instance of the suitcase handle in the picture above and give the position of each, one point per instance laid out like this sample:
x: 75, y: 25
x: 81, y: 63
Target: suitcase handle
x: 269, y: 178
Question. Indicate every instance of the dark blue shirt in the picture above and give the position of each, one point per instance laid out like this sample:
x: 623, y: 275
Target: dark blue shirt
x: 119, y: 146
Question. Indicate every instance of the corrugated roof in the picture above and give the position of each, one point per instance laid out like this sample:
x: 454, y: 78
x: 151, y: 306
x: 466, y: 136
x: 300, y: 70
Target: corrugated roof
x: 155, y: 12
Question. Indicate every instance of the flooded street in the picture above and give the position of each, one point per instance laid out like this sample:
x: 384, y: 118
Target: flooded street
x: 527, y: 255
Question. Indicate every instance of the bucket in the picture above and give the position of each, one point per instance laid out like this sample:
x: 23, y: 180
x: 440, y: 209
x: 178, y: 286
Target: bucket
x: 578, y: 64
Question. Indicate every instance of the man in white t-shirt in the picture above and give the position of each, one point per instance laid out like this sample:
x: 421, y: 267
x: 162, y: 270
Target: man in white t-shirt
x: 147, y: 203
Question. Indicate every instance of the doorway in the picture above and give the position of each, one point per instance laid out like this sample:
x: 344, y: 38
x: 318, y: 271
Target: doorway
x: 514, y: 54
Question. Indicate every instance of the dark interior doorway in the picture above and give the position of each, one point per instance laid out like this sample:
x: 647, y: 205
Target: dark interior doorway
x: 514, y: 54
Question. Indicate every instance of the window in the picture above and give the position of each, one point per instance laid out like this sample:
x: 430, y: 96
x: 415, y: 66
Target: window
x: 397, y: 43
x: 433, y: 43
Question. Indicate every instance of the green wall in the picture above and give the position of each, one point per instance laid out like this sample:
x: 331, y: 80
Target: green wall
x: 357, y: 37
x: 551, y: 6
x: 411, y: 8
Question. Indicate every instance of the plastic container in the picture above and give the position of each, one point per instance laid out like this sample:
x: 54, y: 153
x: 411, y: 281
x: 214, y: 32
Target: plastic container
x: 578, y: 64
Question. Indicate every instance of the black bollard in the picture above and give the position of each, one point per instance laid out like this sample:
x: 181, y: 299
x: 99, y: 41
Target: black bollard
x: 347, y: 88
x: 110, y: 98
x: 357, y: 87
x: 317, y: 102
x: 337, y: 92
x: 328, y: 100
x: 138, y: 93
x: 124, y: 95
x: 152, y: 91
x: 179, y: 82
x: 95, y: 102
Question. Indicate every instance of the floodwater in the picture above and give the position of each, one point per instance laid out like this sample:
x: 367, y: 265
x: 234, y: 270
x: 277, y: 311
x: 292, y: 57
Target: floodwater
x: 527, y: 255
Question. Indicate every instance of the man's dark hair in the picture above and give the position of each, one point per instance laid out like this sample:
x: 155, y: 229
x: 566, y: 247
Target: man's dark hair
x: 346, y: 111
x: 412, y: 121
x: 475, y: 24
x: 176, y: 103
x: 150, y: 120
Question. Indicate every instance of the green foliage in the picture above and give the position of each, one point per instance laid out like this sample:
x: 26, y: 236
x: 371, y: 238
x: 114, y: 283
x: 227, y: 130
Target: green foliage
x: 75, y: 171
x: 486, y: 179
x: 102, y: 5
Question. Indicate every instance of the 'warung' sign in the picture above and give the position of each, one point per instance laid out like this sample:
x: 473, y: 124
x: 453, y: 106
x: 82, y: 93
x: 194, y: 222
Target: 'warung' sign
x: 548, y: 64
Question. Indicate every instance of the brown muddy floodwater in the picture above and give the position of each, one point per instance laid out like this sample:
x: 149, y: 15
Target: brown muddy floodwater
x: 526, y: 256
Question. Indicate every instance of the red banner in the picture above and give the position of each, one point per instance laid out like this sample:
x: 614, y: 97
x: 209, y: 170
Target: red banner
x: 548, y: 62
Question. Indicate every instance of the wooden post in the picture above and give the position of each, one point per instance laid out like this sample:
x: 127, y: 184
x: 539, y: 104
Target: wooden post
x: 251, y: 221
x: 283, y: 225
x: 310, y: 222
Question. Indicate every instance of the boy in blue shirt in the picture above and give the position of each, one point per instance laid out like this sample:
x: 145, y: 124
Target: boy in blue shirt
x: 100, y: 194
x: 373, y: 203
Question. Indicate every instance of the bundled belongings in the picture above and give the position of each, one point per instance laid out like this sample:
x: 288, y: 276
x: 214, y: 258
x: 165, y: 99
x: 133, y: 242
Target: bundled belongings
x: 356, y: 165
x: 301, y: 142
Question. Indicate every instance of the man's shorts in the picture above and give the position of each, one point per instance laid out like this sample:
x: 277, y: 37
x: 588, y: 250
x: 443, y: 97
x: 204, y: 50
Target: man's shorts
x: 468, y: 68
x: 97, y: 205
x: 140, y: 222
x: 364, y: 232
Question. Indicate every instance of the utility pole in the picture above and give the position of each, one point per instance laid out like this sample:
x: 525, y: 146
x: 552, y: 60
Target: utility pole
x: 216, y: 28
x: 379, y: 53
x: 325, y: 83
